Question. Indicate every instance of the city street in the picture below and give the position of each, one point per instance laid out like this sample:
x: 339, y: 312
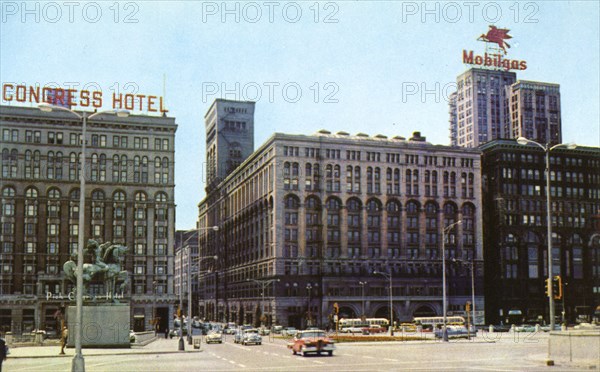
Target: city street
x: 508, y: 352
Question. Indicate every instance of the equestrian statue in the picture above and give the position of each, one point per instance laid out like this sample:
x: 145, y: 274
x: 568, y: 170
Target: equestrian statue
x: 104, y: 263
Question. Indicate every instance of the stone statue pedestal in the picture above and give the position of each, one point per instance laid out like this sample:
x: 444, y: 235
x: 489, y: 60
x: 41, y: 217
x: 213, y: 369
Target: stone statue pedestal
x: 104, y: 326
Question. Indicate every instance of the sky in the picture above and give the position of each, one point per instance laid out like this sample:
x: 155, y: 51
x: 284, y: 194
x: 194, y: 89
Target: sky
x: 378, y: 67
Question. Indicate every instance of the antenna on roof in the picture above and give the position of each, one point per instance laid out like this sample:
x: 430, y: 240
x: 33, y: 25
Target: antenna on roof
x: 165, y: 92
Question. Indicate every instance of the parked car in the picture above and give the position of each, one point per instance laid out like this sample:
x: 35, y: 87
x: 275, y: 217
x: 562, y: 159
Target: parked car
x: 251, y: 336
x: 375, y: 328
x: 214, y: 337
x: 455, y: 331
x: 525, y: 328
x: 313, y: 341
x: 289, y: 331
x: 264, y: 331
x: 51, y: 333
x: 351, y: 330
x: 546, y: 328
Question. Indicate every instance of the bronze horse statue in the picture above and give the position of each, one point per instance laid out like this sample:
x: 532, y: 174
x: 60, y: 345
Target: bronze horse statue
x: 106, y: 264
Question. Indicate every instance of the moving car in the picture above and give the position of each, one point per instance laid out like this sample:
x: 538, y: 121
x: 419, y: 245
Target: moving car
x: 455, y: 331
x: 313, y: 341
x: 251, y: 336
x: 277, y: 329
x: 289, y: 331
x: 351, y: 330
x: 214, y: 337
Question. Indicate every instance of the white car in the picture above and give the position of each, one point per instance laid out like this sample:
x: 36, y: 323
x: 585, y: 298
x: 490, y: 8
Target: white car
x: 251, y: 336
x: 289, y: 331
x: 352, y: 330
x: 214, y: 337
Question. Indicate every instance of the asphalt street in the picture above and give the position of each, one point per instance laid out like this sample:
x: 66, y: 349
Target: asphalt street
x: 498, y: 352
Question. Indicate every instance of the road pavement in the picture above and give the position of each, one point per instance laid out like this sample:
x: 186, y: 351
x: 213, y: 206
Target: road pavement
x: 496, y: 352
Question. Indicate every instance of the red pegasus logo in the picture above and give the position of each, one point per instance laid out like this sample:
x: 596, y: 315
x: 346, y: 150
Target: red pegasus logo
x: 498, y: 36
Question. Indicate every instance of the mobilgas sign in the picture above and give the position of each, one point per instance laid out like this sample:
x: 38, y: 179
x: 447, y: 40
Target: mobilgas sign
x: 496, y: 36
x: 493, y: 60
x: 81, y: 98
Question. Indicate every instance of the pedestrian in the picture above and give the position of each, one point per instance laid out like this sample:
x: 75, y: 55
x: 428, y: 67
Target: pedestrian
x: 64, y: 335
x: 3, y: 351
x: 166, y: 332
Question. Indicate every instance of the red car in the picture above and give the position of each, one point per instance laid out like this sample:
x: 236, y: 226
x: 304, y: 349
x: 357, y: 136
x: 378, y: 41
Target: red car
x: 313, y: 341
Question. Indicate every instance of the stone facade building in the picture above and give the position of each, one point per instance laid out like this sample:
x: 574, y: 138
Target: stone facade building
x: 322, y: 212
x: 515, y: 230
x: 129, y: 200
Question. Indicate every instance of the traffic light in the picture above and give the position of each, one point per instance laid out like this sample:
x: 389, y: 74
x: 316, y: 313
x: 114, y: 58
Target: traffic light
x: 547, y: 287
x: 468, y: 306
x: 336, y: 308
x: 557, y: 287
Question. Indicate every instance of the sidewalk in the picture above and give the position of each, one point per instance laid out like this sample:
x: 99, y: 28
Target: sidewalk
x: 157, y: 346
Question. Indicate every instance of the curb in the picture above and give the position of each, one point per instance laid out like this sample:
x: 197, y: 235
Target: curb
x: 103, y: 354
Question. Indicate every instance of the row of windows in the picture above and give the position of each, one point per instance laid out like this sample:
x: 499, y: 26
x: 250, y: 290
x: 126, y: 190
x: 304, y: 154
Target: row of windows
x: 119, y: 168
x: 373, y: 180
x: 97, y: 140
x: 54, y: 193
x: 98, y: 230
x: 376, y: 157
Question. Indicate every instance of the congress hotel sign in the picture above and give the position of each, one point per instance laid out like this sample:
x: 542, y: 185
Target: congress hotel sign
x: 81, y: 98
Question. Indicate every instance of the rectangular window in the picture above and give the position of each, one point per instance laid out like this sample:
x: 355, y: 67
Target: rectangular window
x: 52, y: 229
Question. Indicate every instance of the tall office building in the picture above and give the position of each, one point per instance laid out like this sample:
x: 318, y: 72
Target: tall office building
x: 534, y: 111
x: 491, y: 104
x: 229, y: 137
x: 478, y: 113
x: 129, y: 201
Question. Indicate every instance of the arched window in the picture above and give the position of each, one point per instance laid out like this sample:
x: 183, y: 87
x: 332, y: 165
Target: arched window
x: 54, y: 194
x: 119, y: 196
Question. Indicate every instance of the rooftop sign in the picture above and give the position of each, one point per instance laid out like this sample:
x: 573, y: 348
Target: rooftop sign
x: 81, y: 98
x: 494, y: 56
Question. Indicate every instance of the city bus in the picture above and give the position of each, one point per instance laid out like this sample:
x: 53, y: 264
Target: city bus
x: 356, y: 323
x: 431, y: 322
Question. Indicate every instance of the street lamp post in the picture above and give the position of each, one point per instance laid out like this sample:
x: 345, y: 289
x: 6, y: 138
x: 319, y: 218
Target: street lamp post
x: 78, y: 363
x: 189, y: 280
x: 308, y: 288
x: 263, y: 285
x: 362, y: 294
x: 444, y: 306
x: 389, y: 277
x: 154, y: 322
x: 471, y: 265
x: 547, y: 149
